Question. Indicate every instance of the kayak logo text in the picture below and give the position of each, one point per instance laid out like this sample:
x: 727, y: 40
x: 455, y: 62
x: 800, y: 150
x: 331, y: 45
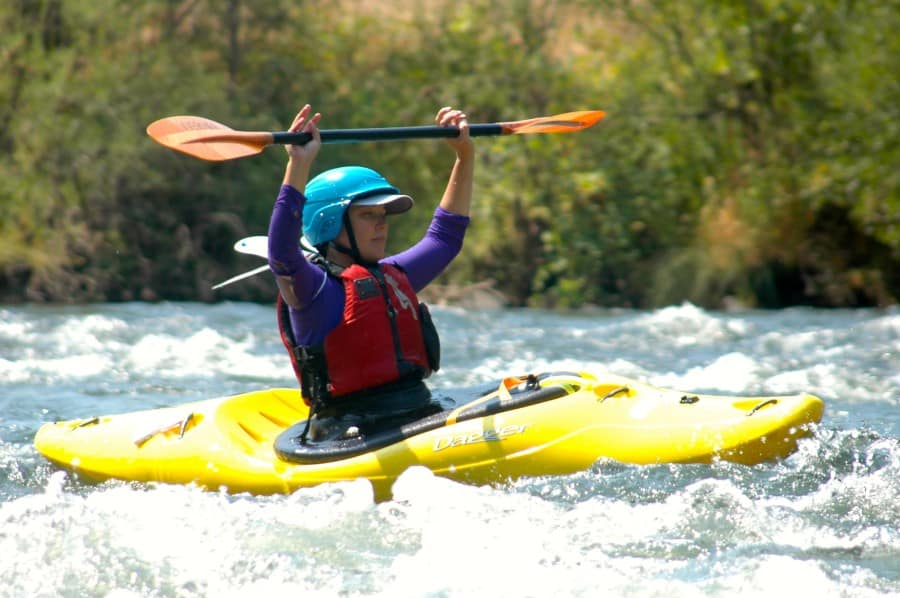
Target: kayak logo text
x: 491, y: 435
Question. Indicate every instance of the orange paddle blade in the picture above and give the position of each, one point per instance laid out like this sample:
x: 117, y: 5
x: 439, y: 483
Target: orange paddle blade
x: 206, y: 139
x: 561, y: 123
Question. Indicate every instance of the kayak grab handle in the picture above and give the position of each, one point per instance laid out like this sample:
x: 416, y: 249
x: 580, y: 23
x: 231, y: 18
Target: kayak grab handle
x: 502, y: 393
x: 181, y: 425
x: 761, y: 405
x: 615, y: 392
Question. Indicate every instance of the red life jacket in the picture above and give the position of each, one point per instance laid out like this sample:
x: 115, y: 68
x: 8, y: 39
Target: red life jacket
x: 378, y: 341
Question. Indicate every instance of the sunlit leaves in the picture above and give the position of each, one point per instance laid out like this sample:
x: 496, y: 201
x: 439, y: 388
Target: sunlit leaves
x: 749, y: 144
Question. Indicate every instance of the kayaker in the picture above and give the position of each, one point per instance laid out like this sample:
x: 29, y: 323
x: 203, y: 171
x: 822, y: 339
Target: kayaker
x: 360, y: 341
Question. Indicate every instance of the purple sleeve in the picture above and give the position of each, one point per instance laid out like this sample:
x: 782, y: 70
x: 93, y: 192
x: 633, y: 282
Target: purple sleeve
x: 285, y: 257
x: 425, y: 260
x: 321, y: 297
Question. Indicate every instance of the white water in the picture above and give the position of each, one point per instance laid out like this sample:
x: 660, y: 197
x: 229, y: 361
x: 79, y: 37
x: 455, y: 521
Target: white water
x: 824, y: 522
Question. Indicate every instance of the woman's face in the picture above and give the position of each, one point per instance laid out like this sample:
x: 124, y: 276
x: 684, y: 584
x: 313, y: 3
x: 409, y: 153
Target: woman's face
x: 370, y: 227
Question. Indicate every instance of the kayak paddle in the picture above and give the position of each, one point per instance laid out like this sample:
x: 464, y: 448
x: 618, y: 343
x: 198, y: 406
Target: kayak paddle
x: 252, y: 272
x: 257, y: 245
x: 208, y: 140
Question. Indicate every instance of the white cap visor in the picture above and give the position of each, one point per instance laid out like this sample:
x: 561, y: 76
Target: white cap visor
x: 393, y: 204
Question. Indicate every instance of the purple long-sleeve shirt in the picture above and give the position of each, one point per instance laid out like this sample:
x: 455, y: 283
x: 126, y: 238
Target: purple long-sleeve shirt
x: 322, y: 297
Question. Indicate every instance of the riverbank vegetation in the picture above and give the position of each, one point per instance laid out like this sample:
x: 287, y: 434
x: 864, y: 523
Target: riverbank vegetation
x: 750, y: 151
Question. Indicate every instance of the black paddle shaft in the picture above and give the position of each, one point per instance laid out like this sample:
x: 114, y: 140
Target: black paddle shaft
x: 386, y: 134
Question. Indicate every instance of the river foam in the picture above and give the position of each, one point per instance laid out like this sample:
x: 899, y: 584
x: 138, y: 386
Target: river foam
x: 821, y: 522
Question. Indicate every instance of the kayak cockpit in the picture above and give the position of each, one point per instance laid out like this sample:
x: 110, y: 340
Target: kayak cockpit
x: 460, y: 405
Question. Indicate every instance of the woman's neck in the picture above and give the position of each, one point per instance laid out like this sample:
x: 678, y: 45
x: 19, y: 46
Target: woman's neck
x: 338, y: 257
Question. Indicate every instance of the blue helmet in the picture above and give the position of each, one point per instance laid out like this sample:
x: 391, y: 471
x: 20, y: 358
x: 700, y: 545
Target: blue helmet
x: 330, y: 193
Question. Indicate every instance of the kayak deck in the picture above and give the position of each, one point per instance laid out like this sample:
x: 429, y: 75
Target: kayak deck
x: 558, y: 424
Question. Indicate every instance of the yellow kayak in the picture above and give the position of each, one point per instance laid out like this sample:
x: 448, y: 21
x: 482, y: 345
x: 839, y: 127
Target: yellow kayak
x: 535, y: 425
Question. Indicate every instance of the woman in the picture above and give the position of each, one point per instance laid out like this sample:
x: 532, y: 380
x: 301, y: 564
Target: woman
x: 360, y: 342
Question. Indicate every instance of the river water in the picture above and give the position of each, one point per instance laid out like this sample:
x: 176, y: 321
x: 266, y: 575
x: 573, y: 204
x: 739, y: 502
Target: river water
x: 823, y: 522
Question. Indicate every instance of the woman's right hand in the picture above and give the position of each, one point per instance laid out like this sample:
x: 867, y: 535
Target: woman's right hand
x: 301, y: 156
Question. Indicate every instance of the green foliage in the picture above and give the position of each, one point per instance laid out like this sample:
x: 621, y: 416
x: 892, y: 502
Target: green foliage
x: 770, y: 135
x: 750, y: 149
